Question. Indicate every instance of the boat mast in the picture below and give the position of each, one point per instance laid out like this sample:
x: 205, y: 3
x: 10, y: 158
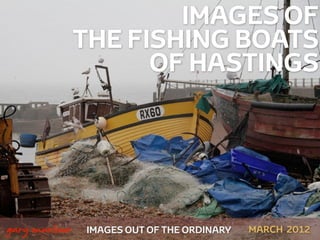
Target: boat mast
x: 106, y: 86
x: 286, y: 51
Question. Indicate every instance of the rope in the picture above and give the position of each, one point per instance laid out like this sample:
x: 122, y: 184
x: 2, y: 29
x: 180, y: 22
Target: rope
x: 10, y: 114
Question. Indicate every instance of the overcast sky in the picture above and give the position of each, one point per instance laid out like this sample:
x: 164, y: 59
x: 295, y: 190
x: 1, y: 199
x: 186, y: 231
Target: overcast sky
x: 40, y: 58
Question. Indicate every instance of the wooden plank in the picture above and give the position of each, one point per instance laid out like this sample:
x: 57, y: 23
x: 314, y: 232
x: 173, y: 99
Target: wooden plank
x: 285, y: 131
x: 309, y: 148
x: 299, y: 122
x: 315, y: 114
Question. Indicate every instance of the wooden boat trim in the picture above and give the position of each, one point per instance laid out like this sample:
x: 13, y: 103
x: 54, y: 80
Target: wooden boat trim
x: 54, y: 149
x: 189, y: 99
x: 156, y: 119
x: 285, y: 106
x: 122, y: 128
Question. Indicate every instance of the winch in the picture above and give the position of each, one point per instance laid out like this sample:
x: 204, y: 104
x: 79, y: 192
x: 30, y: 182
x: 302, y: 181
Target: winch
x: 24, y: 191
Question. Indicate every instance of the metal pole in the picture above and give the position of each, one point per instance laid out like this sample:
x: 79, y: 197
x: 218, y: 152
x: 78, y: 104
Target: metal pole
x: 286, y: 51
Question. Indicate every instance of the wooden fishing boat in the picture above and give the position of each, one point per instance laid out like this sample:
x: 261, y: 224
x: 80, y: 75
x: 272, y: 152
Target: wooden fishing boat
x: 263, y: 116
x: 270, y: 123
x: 126, y: 123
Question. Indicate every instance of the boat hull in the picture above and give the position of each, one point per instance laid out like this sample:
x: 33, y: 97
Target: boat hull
x: 286, y: 128
x: 168, y: 119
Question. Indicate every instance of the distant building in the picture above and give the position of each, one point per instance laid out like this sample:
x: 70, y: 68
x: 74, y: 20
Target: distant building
x: 31, y: 110
x: 30, y: 117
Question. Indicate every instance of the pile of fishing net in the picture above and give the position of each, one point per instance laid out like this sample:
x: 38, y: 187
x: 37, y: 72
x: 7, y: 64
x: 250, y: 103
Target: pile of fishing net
x: 166, y: 187
x: 83, y: 160
x: 84, y: 173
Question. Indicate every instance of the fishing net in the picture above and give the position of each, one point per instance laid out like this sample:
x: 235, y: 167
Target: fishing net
x: 83, y: 160
x: 161, y: 186
x: 73, y: 161
x: 84, y: 174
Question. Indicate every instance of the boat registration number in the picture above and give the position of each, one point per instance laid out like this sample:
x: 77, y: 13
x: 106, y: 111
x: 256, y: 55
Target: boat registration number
x: 150, y: 113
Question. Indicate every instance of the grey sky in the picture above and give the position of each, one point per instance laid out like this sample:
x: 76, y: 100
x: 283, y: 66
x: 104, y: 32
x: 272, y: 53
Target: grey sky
x: 40, y: 60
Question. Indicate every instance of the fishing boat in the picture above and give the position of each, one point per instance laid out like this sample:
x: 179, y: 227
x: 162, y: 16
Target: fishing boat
x: 124, y: 123
x: 263, y: 116
x: 270, y: 122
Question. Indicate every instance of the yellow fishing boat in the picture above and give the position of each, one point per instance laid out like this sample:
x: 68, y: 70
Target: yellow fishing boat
x: 126, y: 123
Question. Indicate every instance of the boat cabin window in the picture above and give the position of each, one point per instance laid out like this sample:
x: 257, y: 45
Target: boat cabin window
x: 90, y: 111
x: 96, y: 109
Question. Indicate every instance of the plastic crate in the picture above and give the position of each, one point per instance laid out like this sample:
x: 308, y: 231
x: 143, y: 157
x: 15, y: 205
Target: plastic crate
x: 246, y: 161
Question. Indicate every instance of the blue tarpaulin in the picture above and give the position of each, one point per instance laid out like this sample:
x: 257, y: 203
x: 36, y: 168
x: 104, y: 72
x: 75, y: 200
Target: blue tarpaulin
x: 241, y: 162
x: 240, y: 199
x: 292, y: 198
x: 292, y: 204
x: 156, y: 149
x: 231, y: 190
x: 286, y: 184
x: 212, y: 170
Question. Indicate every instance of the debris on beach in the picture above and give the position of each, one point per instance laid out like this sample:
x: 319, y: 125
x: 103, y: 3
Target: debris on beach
x: 83, y: 174
x: 202, y: 188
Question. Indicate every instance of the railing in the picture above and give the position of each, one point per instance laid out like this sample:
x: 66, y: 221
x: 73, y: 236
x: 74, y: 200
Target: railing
x: 305, y: 82
x: 297, y: 82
